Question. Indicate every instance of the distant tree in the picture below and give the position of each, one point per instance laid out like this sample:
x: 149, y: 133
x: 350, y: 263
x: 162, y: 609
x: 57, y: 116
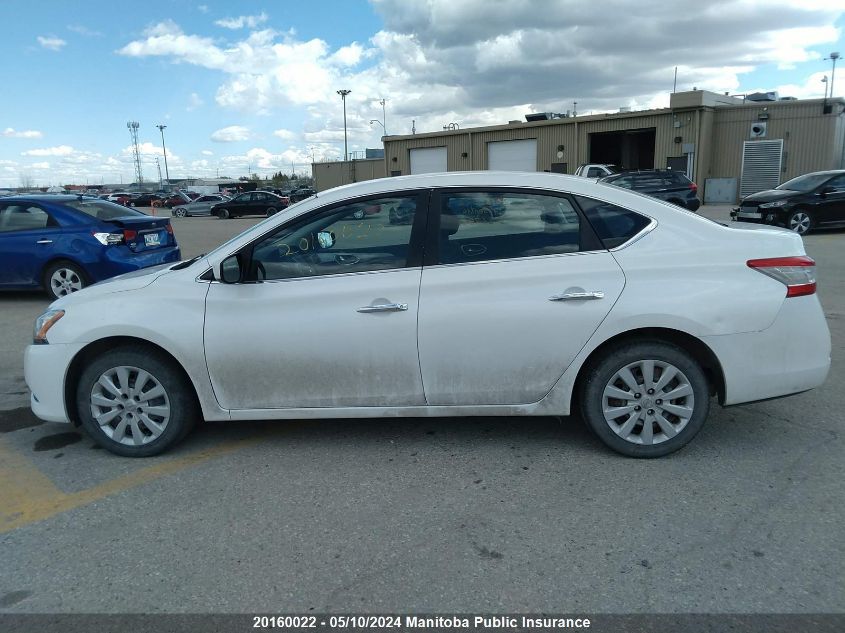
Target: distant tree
x: 26, y: 181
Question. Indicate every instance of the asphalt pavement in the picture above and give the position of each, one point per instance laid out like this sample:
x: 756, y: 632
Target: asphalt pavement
x: 427, y: 515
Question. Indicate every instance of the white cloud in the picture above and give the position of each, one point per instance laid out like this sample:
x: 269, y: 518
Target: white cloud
x: 51, y: 43
x: 207, y: 152
x: 60, y: 150
x: 231, y: 134
x: 43, y: 165
x: 194, y: 102
x: 202, y: 8
x: 285, y: 135
x: 248, y: 21
x: 83, y: 30
x: 12, y: 133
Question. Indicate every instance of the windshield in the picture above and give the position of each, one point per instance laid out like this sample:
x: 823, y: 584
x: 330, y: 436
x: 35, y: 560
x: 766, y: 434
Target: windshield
x: 805, y: 183
x: 101, y: 209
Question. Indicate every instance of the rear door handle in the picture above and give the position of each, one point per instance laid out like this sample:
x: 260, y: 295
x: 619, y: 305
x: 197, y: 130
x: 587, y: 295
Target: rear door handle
x: 44, y: 242
x: 385, y: 307
x: 578, y: 296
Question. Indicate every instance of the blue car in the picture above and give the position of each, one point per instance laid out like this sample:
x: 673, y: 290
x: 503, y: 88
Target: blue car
x: 64, y: 243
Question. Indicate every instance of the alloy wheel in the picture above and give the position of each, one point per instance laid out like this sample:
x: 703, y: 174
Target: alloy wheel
x: 799, y: 222
x: 130, y: 405
x: 64, y: 281
x: 648, y: 402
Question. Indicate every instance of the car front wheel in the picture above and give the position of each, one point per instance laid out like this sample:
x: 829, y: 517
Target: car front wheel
x: 134, y: 402
x: 222, y: 214
x: 180, y: 212
x: 270, y: 211
x: 799, y: 221
x: 645, y: 399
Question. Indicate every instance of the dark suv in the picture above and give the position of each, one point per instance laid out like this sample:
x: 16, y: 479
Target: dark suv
x: 668, y: 185
x: 799, y: 204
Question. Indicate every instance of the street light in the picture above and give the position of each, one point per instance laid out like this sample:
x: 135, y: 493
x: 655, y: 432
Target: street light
x: 824, y: 81
x: 164, y: 149
x: 384, y: 132
x: 833, y: 57
x: 383, y: 116
x: 343, y: 94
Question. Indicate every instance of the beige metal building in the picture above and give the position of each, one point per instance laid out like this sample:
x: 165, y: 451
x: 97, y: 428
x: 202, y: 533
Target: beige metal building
x: 729, y: 146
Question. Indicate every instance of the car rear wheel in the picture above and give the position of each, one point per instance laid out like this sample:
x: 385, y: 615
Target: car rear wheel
x: 799, y: 221
x: 222, y: 214
x: 179, y: 212
x: 133, y: 402
x: 64, y: 278
x: 271, y: 211
x: 645, y: 399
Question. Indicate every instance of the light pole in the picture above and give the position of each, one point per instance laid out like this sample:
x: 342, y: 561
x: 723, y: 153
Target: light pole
x: 384, y: 132
x: 383, y: 116
x: 343, y: 94
x: 164, y: 149
x: 311, y: 147
x: 833, y: 57
x: 824, y: 81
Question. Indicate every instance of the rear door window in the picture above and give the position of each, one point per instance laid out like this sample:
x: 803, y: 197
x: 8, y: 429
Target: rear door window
x: 24, y: 217
x: 490, y: 225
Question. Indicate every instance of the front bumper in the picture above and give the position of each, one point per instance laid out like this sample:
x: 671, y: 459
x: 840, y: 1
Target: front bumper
x: 760, y: 216
x: 790, y: 356
x: 45, y: 370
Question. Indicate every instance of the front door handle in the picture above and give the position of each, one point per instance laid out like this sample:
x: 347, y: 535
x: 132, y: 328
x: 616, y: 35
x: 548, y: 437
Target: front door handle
x: 385, y: 307
x: 578, y: 296
x: 44, y: 242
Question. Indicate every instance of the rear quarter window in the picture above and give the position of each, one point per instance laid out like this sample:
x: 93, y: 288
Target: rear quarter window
x: 614, y: 225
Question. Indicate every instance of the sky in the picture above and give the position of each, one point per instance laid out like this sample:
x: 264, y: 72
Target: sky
x: 251, y: 87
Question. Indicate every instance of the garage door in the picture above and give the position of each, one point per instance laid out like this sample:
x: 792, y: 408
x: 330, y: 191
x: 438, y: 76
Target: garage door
x: 512, y: 155
x: 428, y: 160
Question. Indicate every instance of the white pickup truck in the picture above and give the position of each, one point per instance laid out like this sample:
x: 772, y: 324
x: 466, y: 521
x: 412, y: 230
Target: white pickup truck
x: 596, y: 170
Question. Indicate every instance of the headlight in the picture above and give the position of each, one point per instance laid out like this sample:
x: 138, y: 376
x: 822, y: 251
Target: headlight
x: 776, y: 203
x: 43, y: 325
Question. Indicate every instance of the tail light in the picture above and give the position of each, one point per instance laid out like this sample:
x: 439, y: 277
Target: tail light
x: 169, y: 228
x: 798, y: 274
x: 693, y: 187
x: 113, y: 239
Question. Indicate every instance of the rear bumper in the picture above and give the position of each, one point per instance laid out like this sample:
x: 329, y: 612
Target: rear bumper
x: 117, y: 262
x: 791, y: 356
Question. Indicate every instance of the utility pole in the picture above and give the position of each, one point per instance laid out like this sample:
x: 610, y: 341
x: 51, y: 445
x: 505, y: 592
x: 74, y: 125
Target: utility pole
x: 164, y: 149
x: 343, y: 94
x: 834, y: 57
x: 158, y: 166
x: 133, y: 133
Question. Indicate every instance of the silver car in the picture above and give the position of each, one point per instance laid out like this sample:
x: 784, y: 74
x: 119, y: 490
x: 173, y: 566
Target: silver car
x: 200, y: 206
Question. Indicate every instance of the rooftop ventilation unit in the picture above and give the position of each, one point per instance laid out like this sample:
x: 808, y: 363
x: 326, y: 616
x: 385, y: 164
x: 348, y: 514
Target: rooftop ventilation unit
x: 762, y: 96
x: 539, y: 116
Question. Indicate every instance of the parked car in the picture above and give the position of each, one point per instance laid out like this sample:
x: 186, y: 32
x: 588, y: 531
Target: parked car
x: 175, y: 199
x: 561, y: 303
x: 121, y: 197
x: 597, y: 170
x: 200, y: 206
x: 64, y: 243
x: 301, y: 194
x: 249, y: 203
x: 664, y: 184
x: 146, y: 200
x: 801, y: 204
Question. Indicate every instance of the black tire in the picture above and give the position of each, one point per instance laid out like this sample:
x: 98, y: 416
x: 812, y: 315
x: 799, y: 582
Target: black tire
x: 74, y: 274
x: 223, y: 214
x: 180, y: 212
x: 795, y: 223
x: 184, y: 409
x: 271, y: 211
x: 132, y: 204
x: 604, y: 368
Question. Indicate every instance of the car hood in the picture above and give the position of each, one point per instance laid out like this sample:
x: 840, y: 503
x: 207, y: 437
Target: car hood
x: 770, y: 195
x: 129, y: 281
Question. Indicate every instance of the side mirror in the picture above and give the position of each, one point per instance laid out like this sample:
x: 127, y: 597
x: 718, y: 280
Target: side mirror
x: 827, y: 190
x: 230, y: 270
x: 325, y: 239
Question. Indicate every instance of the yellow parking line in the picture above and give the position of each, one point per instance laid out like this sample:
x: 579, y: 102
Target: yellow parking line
x: 27, y: 495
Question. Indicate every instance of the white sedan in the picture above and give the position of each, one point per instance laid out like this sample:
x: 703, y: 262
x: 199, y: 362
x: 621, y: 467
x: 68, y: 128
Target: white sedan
x: 568, y: 293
